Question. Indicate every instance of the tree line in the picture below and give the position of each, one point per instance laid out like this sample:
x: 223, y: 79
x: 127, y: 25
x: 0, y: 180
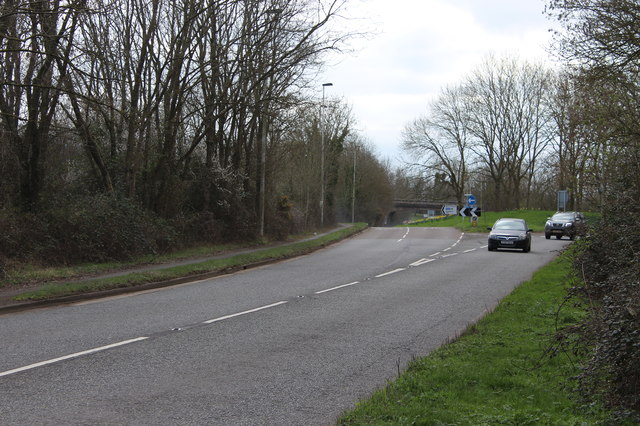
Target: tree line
x: 198, y: 112
x: 515, y: 132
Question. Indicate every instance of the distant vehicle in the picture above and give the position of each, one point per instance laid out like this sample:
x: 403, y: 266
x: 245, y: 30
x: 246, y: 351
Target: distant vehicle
x: 510, y: 233
x: 563, y: 224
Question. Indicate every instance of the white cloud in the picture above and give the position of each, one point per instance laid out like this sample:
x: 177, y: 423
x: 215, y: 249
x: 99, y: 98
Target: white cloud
x: 422, y: 46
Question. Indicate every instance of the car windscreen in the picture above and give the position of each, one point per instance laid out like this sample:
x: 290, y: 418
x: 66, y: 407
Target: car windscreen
x: 563, y: 216
x: 509, y: 226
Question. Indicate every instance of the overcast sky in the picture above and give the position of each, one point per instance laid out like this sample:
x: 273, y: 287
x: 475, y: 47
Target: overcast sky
x: 420, y: 47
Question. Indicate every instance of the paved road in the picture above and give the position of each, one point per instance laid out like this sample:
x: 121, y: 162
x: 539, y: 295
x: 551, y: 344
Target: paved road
x: 296, y: 342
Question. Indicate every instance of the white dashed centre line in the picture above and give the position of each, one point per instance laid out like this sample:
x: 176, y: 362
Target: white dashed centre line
x: 390, y: 272
x: 71, y: 356
x: 125, y: 342
x: 404, y: 236
x: 211, y: 321
x: 337, y: 287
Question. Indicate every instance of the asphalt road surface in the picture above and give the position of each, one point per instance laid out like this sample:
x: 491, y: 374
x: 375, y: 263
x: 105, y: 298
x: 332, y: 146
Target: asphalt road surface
x: 298, y: 342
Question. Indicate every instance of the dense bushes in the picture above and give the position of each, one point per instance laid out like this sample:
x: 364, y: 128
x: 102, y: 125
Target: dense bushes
x: 608, y: 265
x: 101, y: 228
x: 94, y: 229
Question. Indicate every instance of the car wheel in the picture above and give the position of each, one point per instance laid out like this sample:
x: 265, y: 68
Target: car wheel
x: 527, y: 249
x: 572, y: 237
x: 558, y: 237
x: 547, y: 236
x: 490, y: 248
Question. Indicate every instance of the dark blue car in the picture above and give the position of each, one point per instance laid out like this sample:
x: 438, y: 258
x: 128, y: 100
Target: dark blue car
x: 510, y: 233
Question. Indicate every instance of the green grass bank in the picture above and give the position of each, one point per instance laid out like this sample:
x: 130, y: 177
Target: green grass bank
x: 500, y: 371
x: 535, y: 219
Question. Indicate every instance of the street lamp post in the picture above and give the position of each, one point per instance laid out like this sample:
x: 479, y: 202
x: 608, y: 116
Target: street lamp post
x: 353, y: 189
x: 322, y: 157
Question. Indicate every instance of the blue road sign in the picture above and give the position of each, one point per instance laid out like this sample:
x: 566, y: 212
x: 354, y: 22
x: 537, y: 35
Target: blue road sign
x: 471, y: 200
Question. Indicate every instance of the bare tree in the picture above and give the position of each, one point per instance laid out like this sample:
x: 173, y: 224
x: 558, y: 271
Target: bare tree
x: 173, y: 103
x: 33, y: 36
x: 600, y: 34
x: 509, y: 120
x: 440, y: 141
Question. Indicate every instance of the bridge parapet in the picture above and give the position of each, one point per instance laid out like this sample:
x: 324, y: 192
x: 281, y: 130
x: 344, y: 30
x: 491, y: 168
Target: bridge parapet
x: 422, y: 204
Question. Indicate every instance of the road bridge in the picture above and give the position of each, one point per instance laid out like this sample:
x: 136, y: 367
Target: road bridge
x: 405, y: 209
x: 422, y: 204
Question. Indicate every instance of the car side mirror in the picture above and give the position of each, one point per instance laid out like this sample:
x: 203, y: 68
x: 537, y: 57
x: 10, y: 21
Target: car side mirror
x: 489, y: 228
x: 529, y: 230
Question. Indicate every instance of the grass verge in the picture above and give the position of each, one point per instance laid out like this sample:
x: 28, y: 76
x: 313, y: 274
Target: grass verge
x: 55, y: 290
x: 28, y: 273
x: 535, y: 219
x: 498, y: 372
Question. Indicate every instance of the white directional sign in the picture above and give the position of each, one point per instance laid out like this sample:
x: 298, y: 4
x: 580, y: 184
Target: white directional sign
x: 450, y: 209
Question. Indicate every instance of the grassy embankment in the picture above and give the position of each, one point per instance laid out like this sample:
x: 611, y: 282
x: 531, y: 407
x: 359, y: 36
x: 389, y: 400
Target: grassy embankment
x: 498, y: 372
x: 61, y: 288
x: 535, y: 219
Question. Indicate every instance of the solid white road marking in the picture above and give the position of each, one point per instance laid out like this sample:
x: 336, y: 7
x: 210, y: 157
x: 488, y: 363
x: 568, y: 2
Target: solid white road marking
x: 211, y: 321
x: 422, y: 262
x: 337, y: 287
x: 75, y: 355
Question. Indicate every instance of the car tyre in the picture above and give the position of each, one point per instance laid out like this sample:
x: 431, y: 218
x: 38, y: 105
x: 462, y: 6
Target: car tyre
x: 547, y: 236
x: 558, y: 237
